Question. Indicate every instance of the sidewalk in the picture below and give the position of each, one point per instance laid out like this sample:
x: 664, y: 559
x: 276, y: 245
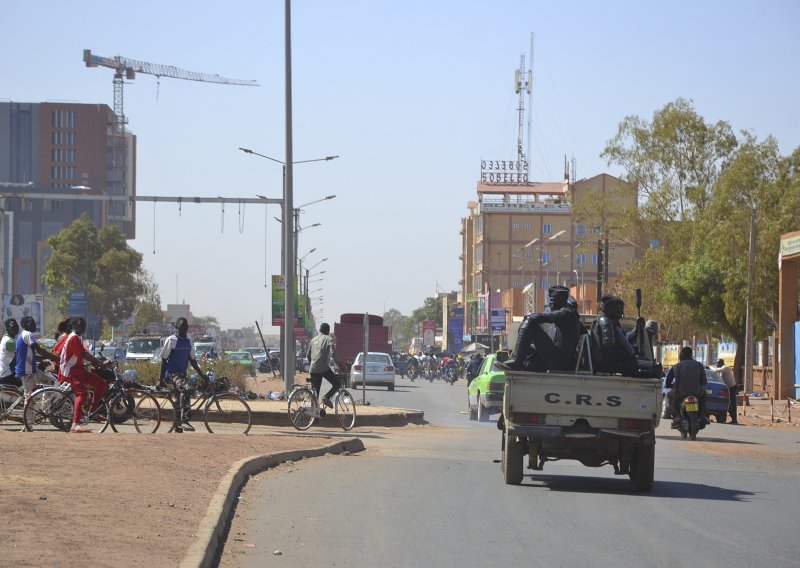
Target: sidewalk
x: 275, y: 413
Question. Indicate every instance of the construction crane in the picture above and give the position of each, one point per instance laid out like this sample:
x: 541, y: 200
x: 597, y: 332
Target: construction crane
x: 125, y: 68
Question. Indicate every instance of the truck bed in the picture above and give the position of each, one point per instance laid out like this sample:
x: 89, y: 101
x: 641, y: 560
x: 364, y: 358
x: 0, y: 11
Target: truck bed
x: 599, y: 401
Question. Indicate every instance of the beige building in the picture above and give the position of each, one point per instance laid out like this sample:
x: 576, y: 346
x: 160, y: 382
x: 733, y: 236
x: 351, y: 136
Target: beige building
x: 521, y: 238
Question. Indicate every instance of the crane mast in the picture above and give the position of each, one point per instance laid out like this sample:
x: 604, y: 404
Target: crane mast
x: 125, y: 68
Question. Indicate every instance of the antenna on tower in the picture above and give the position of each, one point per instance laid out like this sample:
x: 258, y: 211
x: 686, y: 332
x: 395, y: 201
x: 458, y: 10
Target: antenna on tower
x: 530, y: 106
x: 522, y: 85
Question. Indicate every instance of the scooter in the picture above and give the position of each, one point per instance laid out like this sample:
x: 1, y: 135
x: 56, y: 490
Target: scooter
x: 691, y: 420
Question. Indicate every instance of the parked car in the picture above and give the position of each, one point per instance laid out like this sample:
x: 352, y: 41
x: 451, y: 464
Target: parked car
x: 485, y: 391
x: 242, y: 358
x: 717, y: 397
x: 380, y: 370
x: 112, y: 352
x: 258, y: 353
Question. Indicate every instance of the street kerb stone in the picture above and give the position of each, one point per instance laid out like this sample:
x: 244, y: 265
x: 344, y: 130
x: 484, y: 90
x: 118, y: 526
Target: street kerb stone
x: 208, y: 545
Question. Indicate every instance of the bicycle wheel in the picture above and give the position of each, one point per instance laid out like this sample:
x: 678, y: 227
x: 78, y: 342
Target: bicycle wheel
x: 11, y: 404
x: 145, y: 415
x: 226, y: 413
x: 302, y: 408
x: 48, y: 410
x: 345, y: 409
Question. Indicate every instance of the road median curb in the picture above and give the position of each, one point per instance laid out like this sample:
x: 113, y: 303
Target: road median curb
x: 205, y: 550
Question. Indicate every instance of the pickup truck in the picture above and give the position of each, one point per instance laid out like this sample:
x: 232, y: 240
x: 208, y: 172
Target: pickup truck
x: 597, y: 419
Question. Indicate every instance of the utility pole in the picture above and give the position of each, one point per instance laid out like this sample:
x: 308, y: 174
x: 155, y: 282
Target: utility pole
x: 748, y: 334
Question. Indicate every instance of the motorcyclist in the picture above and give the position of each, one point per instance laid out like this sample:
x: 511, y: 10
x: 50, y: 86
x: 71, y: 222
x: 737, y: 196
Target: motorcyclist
x: 535, y: 350
x: 686, y: 378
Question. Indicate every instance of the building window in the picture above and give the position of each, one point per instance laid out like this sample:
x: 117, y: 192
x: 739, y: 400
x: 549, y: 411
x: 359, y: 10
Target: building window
x: 26, y: 239
x: 516, y: 254
x: 55, y: 155
x: 70, y: 119
x: 50, y: 228
x: 594, y: 258
x: 516, y: 226
x: 580, y: 230
x: 597, y: 230
x: 527, y: 226
x: 516, y: 284
x: 529, y: 254
x: 56, y: 138
x: 545, y: 257
x: 581, y: 258
x: 71, y: 155
x: 55, y: 205
x: 547, y: 228
x: 72, y: 138
x: 545, y: 285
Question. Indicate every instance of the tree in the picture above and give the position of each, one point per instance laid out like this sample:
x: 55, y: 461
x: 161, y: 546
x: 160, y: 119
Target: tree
x: 99, y: 262
x: 396, y: 322
x: 698, y: 185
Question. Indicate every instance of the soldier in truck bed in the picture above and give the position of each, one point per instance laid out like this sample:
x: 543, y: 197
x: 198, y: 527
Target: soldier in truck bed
x: 535, y: 350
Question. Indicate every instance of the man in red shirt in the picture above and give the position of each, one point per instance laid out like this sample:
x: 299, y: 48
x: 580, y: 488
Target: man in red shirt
x: 71, y: 369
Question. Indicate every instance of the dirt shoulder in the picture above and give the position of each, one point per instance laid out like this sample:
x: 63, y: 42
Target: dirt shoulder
x: 114, y: 500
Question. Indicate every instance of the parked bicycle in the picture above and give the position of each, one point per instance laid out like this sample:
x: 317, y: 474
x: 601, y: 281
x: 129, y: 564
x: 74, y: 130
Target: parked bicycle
x: 304, y: 407
x: 224, y: 412
x: 124, y: 403
x: 12, y: 402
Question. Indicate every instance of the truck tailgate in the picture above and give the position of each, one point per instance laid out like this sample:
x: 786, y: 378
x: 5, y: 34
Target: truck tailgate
x: 564, y: 398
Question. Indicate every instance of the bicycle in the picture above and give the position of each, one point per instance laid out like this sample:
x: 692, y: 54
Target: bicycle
x: 51, y: 407
x: 224, y: 412
x: 304, y: 408
x: 12, y: 402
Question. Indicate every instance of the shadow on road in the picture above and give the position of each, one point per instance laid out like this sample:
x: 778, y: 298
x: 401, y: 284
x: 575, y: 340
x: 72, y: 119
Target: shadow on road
x: 668, y: 489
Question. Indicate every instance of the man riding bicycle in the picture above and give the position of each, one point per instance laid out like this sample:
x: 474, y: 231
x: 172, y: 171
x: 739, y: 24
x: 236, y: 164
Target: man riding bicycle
x: 176, y: 355
x: 322, y: 350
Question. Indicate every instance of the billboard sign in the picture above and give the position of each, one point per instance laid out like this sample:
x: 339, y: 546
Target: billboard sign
x: 278, y: 300
x: 18, y: 306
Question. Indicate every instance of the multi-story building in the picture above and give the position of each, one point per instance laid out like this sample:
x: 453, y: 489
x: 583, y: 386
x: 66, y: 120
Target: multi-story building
x: 522, y: 237
x: 49, y: 154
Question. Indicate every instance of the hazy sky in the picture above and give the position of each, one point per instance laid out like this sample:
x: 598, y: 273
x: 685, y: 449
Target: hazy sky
x: 411, y: 94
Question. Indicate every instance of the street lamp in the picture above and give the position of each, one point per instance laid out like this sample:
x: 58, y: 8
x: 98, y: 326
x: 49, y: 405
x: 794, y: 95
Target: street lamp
x: 289, y: 236
x: 558, y: 253
x: 533, y: 272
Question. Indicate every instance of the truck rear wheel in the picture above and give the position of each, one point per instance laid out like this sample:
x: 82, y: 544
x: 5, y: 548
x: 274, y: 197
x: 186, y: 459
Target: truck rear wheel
x: 643, y: 465
x: 512, y: 460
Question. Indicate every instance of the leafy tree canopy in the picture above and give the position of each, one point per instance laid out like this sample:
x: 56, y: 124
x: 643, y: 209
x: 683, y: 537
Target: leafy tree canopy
x: 99, y: 262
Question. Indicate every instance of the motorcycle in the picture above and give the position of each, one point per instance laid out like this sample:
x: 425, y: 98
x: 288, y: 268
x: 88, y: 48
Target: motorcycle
x: 451, y: 373
x: 690, y: 421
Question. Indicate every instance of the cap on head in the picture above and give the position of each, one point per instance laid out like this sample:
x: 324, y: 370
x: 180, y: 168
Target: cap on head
x: 325, y: 329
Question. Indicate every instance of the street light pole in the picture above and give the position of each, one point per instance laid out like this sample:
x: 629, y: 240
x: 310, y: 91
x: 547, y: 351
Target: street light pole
x: 533, y: 273
x: 558, y: 254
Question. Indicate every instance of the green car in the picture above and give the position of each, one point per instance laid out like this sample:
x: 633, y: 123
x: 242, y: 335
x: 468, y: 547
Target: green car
x: 242, y: 358
x: 485, y: 391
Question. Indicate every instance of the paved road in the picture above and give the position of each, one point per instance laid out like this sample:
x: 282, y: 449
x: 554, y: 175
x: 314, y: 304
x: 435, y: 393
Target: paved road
x: 434, y: 496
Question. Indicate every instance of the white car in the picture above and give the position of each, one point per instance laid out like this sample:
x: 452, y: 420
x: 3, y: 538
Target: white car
x: 380, y: 370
